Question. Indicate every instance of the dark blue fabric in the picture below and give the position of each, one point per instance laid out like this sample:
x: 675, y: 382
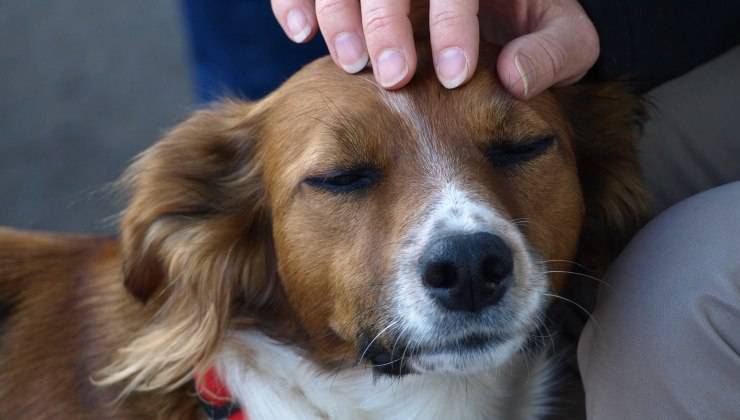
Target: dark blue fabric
x: 651, y: 42
x: 238, y: 48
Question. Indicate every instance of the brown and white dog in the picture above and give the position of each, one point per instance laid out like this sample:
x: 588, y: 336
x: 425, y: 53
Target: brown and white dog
x: 334, y: 251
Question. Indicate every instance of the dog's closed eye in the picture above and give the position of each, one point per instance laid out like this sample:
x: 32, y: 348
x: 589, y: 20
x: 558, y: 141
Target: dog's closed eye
x: 510, y: 154
x: 341, y: 181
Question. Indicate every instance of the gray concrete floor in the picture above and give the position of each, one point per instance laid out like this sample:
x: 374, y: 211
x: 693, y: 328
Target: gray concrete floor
x: 84, y: 86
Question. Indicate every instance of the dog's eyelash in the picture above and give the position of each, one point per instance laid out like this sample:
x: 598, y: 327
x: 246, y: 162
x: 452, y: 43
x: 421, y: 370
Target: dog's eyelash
x: 345, y: 180
x: 511, y: 154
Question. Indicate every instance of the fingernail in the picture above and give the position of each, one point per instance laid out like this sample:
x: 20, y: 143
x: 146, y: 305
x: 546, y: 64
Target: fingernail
x: 452, y: 67
x: 350, y: 52
x: 392, y: 67
x: 297, y: 25
x: 526, y: 72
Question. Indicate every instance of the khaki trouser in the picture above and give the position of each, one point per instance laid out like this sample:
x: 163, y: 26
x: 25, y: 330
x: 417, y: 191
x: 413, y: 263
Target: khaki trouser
x: 665, y: 343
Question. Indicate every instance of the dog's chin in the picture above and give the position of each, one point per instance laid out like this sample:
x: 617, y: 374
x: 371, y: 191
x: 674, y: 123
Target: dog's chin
x: 469, y: 356
x: 465, y: 356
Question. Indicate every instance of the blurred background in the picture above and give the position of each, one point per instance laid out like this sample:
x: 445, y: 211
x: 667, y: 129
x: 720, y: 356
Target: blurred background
x: 84, y: 86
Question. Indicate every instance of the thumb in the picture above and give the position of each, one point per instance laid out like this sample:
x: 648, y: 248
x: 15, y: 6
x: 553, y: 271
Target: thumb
x: 560, y: 52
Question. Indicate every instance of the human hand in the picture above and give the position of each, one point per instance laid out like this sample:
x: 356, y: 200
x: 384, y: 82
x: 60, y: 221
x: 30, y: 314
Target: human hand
x: 546, y: 42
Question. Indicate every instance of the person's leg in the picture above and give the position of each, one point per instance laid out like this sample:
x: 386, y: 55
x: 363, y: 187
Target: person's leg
x: 666, y: 335
x: 664, y: 342
x: 692, y: 141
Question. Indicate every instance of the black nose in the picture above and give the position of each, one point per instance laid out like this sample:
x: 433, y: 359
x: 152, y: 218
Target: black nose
x: 467, y: 272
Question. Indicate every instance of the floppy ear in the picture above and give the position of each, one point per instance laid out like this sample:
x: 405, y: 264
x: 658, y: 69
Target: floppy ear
x: 606, y: 122
x: 195, y: 236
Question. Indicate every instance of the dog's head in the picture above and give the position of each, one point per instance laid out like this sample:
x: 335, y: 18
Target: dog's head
x: 411, y: 229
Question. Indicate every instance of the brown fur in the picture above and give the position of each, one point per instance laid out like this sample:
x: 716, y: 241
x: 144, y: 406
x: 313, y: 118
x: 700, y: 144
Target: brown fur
x: 221, y: 233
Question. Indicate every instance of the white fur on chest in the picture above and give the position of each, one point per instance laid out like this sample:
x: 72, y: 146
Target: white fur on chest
x: 272, y: 381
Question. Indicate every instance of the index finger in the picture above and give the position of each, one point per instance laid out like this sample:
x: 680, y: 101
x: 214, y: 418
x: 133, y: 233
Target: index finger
x: 389, y: 41
x: 453, y: 28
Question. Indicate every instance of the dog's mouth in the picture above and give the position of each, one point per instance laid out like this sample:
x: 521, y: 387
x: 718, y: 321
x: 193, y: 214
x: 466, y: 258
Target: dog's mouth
x: 401, y: 356
x: 421, y: 337
x: 470, y: 343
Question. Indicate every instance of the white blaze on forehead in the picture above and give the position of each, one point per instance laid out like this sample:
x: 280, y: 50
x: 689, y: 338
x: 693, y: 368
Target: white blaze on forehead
x: 402, y: 104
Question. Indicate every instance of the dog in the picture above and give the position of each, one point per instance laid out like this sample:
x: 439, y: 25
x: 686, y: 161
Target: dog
x: 333, y: 251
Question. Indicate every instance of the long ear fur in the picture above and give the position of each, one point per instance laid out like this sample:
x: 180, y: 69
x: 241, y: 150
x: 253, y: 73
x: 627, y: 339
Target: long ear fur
x: 195, y: 234
x: 606, y: 121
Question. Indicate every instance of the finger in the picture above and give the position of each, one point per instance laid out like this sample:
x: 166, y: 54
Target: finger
x: 296, y: 17
x: 551, y: 55
x: 389, y: 40
x: 341, y: 24
x: 453, y: 27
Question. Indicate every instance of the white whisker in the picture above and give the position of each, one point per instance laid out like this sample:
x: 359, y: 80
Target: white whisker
x: 596, y: 279
x: 569, y: 262
x: 364, y: 352
x: 576, y: 304
x: 404, y: 351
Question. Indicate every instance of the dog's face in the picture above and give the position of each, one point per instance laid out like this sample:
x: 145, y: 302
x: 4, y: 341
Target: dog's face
x: 420, y: 220
x: 411, y: 229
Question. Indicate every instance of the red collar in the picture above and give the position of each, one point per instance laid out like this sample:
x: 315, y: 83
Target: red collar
x: 216, y: 400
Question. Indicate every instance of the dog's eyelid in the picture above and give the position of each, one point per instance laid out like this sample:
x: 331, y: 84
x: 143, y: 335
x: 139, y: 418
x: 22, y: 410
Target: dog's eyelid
x: 513, y: 141
x: 512, y: 153
x: 340, y: 170
x: 352, y: 179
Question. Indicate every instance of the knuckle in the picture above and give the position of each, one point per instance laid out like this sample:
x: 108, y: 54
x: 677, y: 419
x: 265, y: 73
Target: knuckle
x: 380, y: 19
x: 331, y: 7
x: 448, y: 19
